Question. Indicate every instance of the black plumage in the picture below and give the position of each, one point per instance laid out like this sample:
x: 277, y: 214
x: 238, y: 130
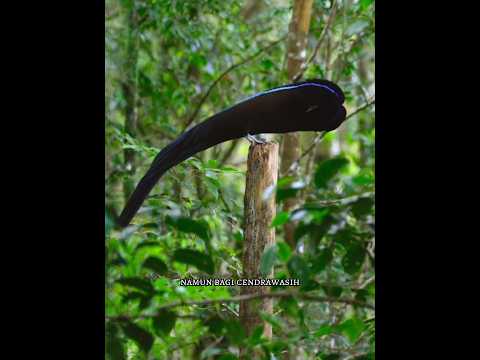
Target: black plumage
x: 313, y: 105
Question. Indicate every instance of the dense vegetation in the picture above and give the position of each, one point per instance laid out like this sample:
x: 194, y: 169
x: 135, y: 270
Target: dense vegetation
x: 170, y: 64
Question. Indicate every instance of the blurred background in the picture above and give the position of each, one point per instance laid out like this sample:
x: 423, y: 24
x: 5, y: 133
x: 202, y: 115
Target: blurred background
x: 169, y: 65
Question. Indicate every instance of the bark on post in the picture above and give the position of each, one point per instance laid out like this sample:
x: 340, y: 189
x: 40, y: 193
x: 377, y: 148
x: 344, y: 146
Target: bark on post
x: 262, y: 174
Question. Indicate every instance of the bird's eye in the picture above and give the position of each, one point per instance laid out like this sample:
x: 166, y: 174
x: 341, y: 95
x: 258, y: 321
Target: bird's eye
x: 311, y: 108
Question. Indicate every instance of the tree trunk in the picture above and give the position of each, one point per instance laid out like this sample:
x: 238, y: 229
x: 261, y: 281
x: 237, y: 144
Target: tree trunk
x: 129, y: 89
x: 262, y: 173
x: 297, y: 41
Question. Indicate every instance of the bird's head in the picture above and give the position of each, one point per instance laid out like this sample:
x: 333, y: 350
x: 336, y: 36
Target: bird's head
x: 325, y: 105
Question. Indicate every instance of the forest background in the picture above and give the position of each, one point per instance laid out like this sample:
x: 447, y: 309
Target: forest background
x: 169, y: 65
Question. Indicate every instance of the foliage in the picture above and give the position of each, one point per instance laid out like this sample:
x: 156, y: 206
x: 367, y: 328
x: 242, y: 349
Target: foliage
x: 169, y: 53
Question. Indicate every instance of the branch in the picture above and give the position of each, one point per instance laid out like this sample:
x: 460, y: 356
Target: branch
x: 343, y: 201
x: 278, y: 294
x: 223, y: 74
x: 319, y: 43
x: 236, y: 299
x: 229, y: 152
x: 361, y: 108
x: 322, y: 134
x: 314, y: 143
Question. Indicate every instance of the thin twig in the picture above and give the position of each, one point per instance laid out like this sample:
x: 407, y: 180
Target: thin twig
x: 367, y: 282
x: 304, y: 66
x: 223, y: 74
x: 361, y: 108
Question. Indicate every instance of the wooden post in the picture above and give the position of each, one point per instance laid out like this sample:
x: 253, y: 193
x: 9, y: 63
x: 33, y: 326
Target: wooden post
x: 262, y: 174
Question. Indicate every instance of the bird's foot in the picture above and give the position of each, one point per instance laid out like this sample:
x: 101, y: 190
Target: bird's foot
x: 256, y: 140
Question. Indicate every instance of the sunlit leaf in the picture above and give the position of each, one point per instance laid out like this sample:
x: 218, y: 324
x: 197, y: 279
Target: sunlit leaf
x: 284, y: 251
x: 364, y: 4
x: 324, y: 330
x: 256, y: 336
x: 280, y: 219
x: 352, y: 328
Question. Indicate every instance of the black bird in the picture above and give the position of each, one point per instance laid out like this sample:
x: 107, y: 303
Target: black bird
x: 312, y: 105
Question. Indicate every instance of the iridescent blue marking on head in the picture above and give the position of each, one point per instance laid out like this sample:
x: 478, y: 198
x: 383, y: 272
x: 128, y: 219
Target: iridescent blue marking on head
x: 295, y: 86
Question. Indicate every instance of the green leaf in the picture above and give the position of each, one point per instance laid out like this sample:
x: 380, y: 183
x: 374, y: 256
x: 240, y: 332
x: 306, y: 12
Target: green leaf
x: 113, y: 344
x: 136, y: 295
x: 235, y: 331
x: 274, y: 320
x: 155, y: 264
x: 324, y: 330
x: 229, y: 169
x: 137, y: 283
x: 280, y: 219
x: 364, y: 4
x: 319, y: 215
x: 354, y: 258
x: 187, y: 225
x: 361, y: 295
x: 327, y: 170
x: 141, y: 336
x: 198, y: 60
x: 164, y: 322
x: 284, y: 251
x: 301, y: 230
x: 298, y: 269
x: 283, y: 194
x: 369, y: 356
x: 362, y: 207
x: 267, y: 64
x: 215, y: 325
x: 285, y: 181
x: 256, y: 336
x: 330, y: 356
x: 268, y: 259
x: 363, y: 179
x: 321, y: 262
x: 334, y: 291
x: 196, y: 258
x: 290, y: 306
x: 352, y: 328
